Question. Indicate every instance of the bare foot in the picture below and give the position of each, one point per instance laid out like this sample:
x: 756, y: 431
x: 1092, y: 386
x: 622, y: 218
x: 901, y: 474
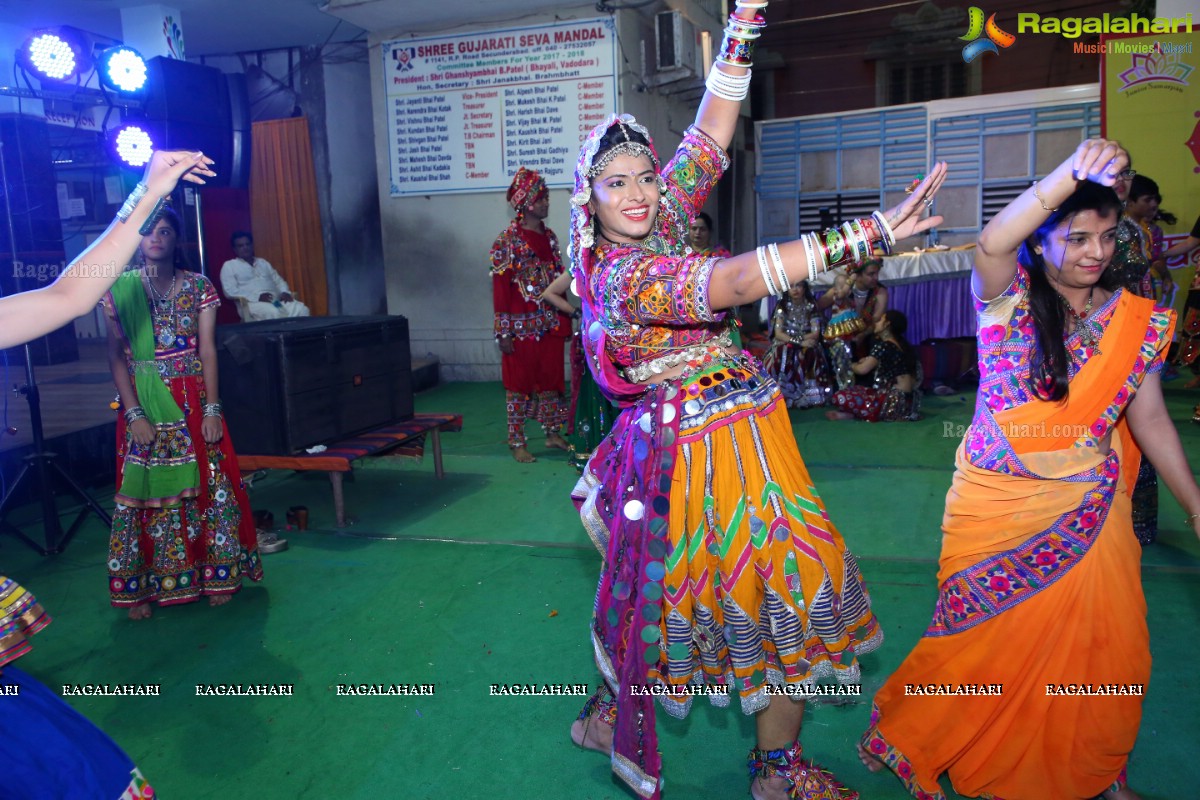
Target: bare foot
x: 1125, y: 793
x: 869, y: 761
x: 772, y: 788
x: 557, y: 442
x: 523, y: 456
x: 215, y: 600
x: 837, y: 416
x: 140, y: 612
x: 592, y: 734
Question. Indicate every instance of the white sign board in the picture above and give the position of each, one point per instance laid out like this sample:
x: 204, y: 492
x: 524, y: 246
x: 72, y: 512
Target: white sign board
x: 466, y: 111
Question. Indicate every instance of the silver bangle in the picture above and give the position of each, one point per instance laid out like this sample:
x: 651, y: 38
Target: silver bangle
x: 134, y: 413
x: 761, y: 252
x: 812, y: 259
x: 777, y: 260
x: 132, y: 201
x: 728, y: 87
x: 212, y: 409
x: 888, y: 233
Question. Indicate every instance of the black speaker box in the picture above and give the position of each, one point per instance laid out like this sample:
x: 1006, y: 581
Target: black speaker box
x: 195, y: 107
x: 36, y: 257
x: 289, y: 384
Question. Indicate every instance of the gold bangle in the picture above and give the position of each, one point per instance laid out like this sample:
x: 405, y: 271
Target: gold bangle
x: 1041, y: 199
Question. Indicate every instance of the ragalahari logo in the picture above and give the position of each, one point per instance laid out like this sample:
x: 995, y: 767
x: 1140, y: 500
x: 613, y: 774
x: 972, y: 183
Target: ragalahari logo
x: 996, y: 38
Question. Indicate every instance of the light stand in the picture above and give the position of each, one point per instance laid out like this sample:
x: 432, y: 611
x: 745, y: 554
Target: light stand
x: 40, y: 466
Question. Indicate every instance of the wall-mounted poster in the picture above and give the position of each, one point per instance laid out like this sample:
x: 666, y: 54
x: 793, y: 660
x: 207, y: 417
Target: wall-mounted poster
x: 465, y: 111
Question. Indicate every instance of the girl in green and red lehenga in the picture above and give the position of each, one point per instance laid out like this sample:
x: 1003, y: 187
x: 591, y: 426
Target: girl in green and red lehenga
x: 182, y: 526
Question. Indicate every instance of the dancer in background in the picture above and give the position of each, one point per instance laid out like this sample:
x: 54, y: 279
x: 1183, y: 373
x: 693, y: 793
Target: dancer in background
x: 796, y: 360
x: 721, y: 564
x: 1040, y: 572
x: 530, y: 333
x: 182, y: 526
x: 895, y: 393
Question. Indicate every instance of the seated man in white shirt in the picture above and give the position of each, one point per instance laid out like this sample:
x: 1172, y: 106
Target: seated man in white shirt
x: 256, y: 286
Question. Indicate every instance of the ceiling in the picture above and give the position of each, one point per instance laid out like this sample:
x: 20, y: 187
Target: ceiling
x: 220, y: 27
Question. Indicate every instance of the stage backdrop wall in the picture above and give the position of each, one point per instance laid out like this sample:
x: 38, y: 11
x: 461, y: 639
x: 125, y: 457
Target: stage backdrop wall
x: 1150, y: 90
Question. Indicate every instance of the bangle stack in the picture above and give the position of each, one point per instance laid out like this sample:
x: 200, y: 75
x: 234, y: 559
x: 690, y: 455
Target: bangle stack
x: 133, y: 414
x: 853, y: 242
x: 737, y: 48
x: 726, y: 86
x: 212, y: 409
x: 132, y: 201
x: 761, y: 252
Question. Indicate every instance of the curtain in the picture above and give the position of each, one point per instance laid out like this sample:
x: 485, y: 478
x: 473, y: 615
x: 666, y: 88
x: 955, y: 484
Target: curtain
x: 283, y: 208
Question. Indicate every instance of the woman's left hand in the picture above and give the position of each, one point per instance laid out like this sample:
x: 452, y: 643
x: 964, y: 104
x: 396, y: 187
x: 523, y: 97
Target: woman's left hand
x: 212, y: 429
x: 905, y: 218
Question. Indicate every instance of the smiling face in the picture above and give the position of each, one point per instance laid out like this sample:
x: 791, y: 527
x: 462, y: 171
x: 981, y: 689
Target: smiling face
x: 625, y: 199
x: 1079, y: 250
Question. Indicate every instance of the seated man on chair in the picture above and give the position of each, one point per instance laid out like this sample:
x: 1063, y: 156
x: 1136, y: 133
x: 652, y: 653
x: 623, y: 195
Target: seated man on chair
x: 255, y: 286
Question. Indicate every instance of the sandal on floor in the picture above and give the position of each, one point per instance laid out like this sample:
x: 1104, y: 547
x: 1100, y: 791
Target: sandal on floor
x: 806, y: 780
x: 600, y: 706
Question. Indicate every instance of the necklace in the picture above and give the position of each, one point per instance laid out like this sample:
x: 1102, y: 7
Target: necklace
x: 163, y: 311
x: 1087, y: 334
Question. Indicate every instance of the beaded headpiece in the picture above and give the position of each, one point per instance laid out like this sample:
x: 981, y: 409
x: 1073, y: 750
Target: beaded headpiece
x: 526, y: 187
x: 583, y: 238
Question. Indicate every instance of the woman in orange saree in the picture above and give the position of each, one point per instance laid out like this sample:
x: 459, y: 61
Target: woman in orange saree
x: 1028, y: 683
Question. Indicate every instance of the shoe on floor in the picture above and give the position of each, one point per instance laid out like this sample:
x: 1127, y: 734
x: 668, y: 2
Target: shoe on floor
x: 270, y: 543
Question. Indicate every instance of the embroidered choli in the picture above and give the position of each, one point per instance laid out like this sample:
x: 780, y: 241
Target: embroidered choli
x: 177, y: 326
x: 520, y: 276
x: 654, y: 294
x: 1007, y: 340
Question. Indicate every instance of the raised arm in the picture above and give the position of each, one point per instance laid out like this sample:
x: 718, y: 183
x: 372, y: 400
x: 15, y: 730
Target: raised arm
x: 1097, y: 160
x: 28, y: 315
x: 719, y: 110
x: 742, y: 279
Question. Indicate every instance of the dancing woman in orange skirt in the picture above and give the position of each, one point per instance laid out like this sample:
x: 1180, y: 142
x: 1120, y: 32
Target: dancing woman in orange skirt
x: 1040, y: 608
x: 722, y: 569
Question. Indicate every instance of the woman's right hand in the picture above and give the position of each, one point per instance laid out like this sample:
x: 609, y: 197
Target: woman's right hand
x: 167, y: 167
x: 1099, y: 161
x: 142, y: 432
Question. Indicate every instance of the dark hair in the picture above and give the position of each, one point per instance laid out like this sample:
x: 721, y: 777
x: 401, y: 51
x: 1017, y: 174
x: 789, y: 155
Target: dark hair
x: 1048, y: 366
x: 708, y: 223
x: 898, y: 326
x: 1141, y: 186
x: 240, y: 235
x: 171, y: 218
x: 785, y: 300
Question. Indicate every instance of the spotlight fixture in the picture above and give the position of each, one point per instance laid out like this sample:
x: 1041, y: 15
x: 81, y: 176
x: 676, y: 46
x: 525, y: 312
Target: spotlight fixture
x: 123, y: 69
x: 132, y: 144
x: 53, y: 55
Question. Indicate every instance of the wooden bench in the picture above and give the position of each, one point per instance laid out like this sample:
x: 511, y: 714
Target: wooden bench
x: 397, y: 439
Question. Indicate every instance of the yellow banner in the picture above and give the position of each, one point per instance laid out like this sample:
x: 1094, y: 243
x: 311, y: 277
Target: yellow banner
x: 1150, y: 99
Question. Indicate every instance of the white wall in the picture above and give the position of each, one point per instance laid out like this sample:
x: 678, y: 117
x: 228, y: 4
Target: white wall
x: 436, y: 247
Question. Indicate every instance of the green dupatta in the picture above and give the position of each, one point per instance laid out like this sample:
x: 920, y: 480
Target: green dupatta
x: 142, y: 480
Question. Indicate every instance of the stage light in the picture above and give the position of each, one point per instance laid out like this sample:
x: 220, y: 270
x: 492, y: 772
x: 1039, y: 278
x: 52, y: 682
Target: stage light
x: 52, y: 55
x: 133, y: 145
x: 123, y: 69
